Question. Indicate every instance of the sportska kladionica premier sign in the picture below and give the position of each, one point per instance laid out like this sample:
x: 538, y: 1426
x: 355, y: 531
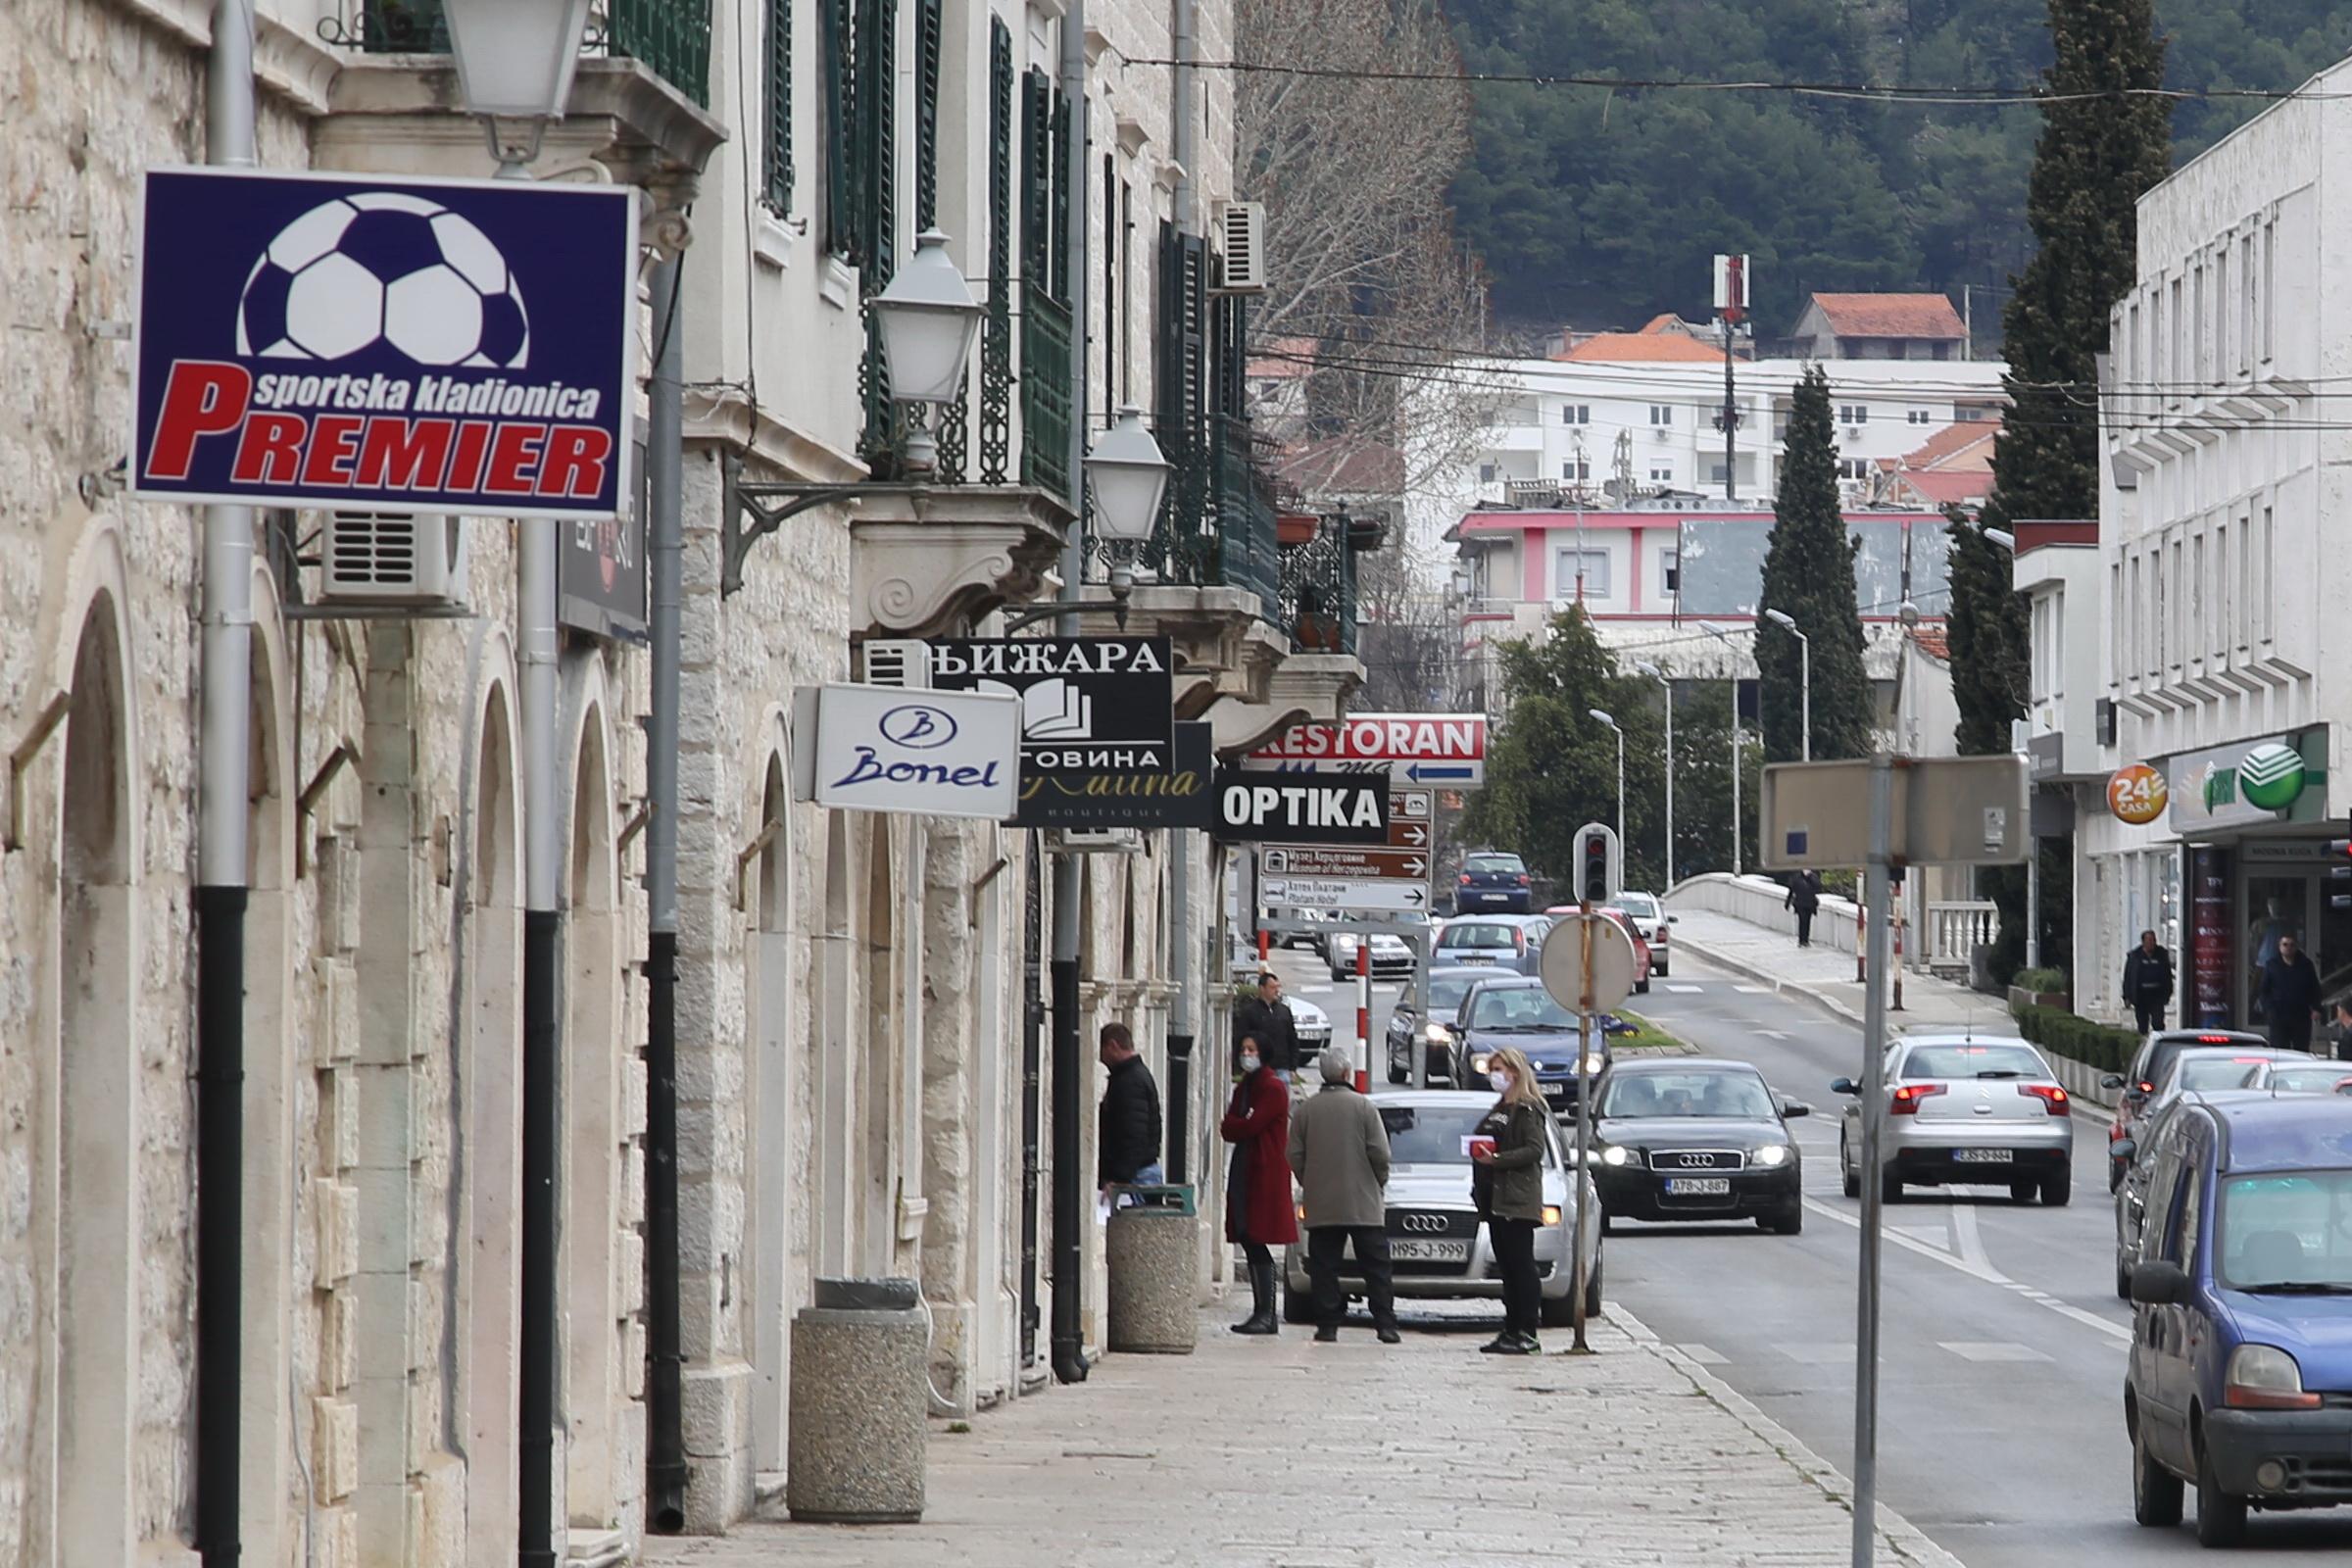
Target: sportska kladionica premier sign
x: 349, y: 341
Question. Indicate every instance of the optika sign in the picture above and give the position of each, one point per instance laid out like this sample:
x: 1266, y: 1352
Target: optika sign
x: 424, y: 345
x: 1303, y: 807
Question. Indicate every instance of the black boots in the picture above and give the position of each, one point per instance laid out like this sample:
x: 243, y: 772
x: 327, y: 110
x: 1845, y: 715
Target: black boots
x: 1263, y: 1319
x: 1512, y: 1341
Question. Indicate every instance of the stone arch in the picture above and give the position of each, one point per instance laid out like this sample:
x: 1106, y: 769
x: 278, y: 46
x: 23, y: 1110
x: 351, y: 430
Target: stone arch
x: 875, y: 1121
x: 834, y: 969
x: 487, y: 1103
x: 771, y: 1109
x: 266, y: 1471
x: 86, y: 1206
x: 592, y: 1071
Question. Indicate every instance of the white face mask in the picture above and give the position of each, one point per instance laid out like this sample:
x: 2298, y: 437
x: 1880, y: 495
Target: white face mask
x: 1248, y: 1065
x: 1500, y: 1080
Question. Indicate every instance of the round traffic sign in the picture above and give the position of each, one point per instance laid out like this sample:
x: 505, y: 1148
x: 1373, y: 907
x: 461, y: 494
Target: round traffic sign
x: 1562, y: 962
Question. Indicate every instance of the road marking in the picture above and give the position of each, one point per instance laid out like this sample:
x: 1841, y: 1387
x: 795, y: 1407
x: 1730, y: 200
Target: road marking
x: 1934, y: 1236
x: 1773, y: 1034
x: 1985, y: 1273
x: 1753, y: 991
x: 1969, y: 1242
x: 1991, y: 1350
x: 1705, y: 1355
x: 1684, y: 991
x: 1819, y: 1353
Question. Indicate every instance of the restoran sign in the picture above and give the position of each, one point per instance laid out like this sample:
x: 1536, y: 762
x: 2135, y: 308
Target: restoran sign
x: 427, y: 345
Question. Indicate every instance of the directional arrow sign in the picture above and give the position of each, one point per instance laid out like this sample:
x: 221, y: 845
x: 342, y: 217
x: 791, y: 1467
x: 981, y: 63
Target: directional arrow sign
x: 1352, y: 864
x: 1332, y: 893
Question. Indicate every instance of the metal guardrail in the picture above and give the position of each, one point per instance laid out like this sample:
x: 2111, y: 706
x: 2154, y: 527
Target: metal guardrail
x: 671, y: 37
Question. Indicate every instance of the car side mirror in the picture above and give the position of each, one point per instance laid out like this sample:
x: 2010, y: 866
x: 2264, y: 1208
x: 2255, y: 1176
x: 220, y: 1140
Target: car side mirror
x: 1790, y: 1109
x: 2124, y: 1148
x: 2159, y: 1284
x: 1844, y: 1086
x: 2114, y: 1080
x: 2136, y: 1097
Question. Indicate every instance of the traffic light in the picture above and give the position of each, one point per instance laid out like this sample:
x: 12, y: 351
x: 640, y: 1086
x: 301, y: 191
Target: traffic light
x: 2339, y: 869
x: 1598, y: 867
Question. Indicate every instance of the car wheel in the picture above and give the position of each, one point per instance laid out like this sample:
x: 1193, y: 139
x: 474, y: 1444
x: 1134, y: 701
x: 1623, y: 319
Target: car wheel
x: 2115, y: 1175
x: 2221, y: 1518
x: 2122, y: 1281
x: 1789, y: 1221
x: 1397, y: 1074
x: 1661, y: 970
x: 2058, y: 1187
x: 2155, y: 1491
x: 1641, y: 987
x: 1608, y: 1224
x: 1891, y: 1188
x: 1848, y: 1176
x: 1297, y: 1306
x: 2023, y: 1191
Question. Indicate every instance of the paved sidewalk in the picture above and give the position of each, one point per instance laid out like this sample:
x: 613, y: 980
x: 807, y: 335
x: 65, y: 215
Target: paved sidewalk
x: 1280, y: 1453
x: 1826, y: 975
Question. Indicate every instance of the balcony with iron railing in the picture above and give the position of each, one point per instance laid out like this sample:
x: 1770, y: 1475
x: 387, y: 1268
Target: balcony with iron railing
x: 670, y: 37
x: 1319, y: 587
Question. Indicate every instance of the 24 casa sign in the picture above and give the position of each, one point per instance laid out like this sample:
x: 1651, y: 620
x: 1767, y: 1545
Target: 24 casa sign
x: 2136, y: 794
x: 425, y: 345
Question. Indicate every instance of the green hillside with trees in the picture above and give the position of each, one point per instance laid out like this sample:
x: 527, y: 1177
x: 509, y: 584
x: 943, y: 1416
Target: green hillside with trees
x: 1601, y: 206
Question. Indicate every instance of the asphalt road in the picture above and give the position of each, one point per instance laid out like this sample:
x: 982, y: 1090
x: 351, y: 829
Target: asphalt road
x: 2003, y: 1346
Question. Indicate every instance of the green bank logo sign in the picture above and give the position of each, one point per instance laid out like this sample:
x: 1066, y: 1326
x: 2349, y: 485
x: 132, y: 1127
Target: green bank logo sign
x: 2269, y: 777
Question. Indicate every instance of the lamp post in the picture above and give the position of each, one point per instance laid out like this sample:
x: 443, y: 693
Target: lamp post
x: 1620, y: 733
x: 2006, y: 540
x: 1804, y: 653
x: 1724, y: 636
x: 1659, y: 675
x: 928, y: 321
x: 514, y: 61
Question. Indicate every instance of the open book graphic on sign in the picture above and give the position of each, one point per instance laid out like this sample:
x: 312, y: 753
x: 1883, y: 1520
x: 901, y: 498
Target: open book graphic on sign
x: 1050, y: 709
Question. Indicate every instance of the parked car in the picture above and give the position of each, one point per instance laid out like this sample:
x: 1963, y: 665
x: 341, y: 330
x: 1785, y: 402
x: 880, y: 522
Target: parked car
x: 1644, y: 958
x: 2284, y: 1077
x: 1963, y: 1110
x: 2130, y: 1199
x: 1446, y: 988
x: 1439, y: 1249
x: 1311, y: 1026
x: 1392, y: 959
x: 2240, y: 1373
x: 1307, y: 939
x: 1650, y: 922
x: 2138, y: 1079
x: 1493, y: 880
x: 1516, y: 1010
x: 1512, y: 942
x: 1683, y: 1138
x: 2199, y: 1068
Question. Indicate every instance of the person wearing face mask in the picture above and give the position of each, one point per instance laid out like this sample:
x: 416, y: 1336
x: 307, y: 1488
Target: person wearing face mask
x: 1258, y: 1213
x: 1339, y: 1149
x: 1506, y: 1183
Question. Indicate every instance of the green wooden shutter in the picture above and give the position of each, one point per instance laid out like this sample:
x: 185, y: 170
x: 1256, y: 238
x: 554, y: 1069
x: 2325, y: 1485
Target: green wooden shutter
x: 840, y: 216
x: 778, y: 186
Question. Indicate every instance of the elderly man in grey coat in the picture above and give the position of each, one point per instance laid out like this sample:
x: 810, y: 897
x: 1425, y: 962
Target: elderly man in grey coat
x: 1339, y: 1149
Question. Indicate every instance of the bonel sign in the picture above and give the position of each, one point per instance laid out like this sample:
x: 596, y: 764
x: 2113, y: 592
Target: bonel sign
x: 929, y: 754
x: 425, y: 345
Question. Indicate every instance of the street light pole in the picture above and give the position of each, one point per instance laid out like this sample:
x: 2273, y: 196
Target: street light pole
x: 1723, y: 636
x: 1805, y: 656
x: 1659, y: 675
x: 1612, y: 723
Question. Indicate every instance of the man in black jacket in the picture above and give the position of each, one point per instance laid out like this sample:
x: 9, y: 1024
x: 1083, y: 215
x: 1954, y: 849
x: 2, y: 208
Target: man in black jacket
x: 1266, y: 1018
x: 1128, y: 1152
x: 2290, y: 995
x: 2148, y: 982
x: 1805, y: 897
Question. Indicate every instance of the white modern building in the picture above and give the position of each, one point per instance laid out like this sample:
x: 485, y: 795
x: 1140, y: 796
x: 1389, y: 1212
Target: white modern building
x: 2213, y: 615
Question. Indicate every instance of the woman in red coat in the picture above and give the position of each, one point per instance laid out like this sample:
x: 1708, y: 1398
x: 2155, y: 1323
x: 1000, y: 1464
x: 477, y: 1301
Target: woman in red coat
x: 1258, y: 1210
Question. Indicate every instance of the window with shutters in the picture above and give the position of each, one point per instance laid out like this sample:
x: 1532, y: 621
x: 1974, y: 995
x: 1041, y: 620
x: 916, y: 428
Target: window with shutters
x: 777, y: 185
x: 1045, y: 334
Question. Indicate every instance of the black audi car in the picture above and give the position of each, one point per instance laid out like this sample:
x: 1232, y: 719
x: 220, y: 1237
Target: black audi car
x: 1685, y: 1138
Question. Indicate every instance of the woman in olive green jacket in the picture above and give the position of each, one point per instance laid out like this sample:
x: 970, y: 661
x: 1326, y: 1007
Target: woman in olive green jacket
x: 1507, y: 1183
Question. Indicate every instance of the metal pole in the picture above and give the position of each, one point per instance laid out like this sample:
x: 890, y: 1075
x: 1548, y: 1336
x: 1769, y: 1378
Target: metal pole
x: 1584, y: 1131
x: 1804, y: 657
x: 1182, y: 1017
x: 1873, y: 1115
x: 2033, y: 903
x: 666, y: 1434
x: 1417, y: 1042
x: 223, y: 797
x: 1363, y: 1014
x: 1620, y: 785
x: 1071, y: 1183
x: 1669, y: 685
x: 1731, y: 417
x: 1736, y: 770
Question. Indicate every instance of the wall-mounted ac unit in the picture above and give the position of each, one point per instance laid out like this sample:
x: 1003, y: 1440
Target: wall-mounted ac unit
x: 897, y: 661
x: 1096, y: 841
x: 1242, y: 245
x: 1853, y: 432
x: 405, y: 559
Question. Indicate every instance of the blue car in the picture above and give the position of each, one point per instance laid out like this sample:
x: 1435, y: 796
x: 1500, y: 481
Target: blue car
x: 2241, y: 1381
x: 1493, y: 881
x: 1512, y: 1009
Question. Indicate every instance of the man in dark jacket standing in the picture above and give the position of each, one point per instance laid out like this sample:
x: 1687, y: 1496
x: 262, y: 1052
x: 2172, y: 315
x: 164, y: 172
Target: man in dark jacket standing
x: 1266, y: 1017
x: 1805, y: 897
x: 1129, y: 1147
x: 2148, y: 982
x: 2290, y: 995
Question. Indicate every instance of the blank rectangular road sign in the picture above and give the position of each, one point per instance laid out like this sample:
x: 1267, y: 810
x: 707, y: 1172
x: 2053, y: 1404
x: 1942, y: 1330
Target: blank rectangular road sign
x: 1946, y: 810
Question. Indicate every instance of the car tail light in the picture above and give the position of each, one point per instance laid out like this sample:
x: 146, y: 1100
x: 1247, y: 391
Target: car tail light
x: 1908, y: 1097
x: 2147, y: 1088
x: 1465, y: 879
x: 2214, y: 1040
x: 1523, y: 879
x: 1519, y: 940
x: 2053, y: 1098
x: 1659, y: 939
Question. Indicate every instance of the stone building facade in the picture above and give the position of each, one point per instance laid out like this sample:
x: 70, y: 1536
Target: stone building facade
x: 863, y: 1071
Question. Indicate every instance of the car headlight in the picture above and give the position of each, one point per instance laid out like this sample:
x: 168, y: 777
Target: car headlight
x: 1437, y: 1034
x: 1770, y: 1156
x: 1614, y: 1154
x: 1594, y: 1062
x: 2263, y: 1376
x: 1479, y: 1062
x: 1551, y: 1213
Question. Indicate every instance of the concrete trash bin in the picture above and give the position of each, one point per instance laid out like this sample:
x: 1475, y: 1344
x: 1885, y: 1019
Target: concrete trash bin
x: 1154, y: 1254
x: 859, y: 1403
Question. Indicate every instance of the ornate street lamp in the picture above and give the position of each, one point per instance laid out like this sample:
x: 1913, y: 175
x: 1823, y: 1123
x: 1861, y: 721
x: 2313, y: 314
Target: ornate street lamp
x: 515, y: 60
x: 928, y: 321
x: 1128, y: 474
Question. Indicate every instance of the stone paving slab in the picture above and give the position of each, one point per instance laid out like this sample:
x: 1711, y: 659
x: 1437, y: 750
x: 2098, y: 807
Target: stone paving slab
x: 1283, y: 1453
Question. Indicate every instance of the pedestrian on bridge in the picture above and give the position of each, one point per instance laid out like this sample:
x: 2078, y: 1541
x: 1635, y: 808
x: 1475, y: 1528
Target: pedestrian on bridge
x: 1258, y: 1213
x: 1339, y: 1149
x: 1805, y: 897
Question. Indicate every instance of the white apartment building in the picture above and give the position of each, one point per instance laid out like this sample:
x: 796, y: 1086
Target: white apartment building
x: 2212, y: 615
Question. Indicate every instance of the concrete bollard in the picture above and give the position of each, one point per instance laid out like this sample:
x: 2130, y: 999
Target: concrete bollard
x: 860, y: 1385
x: 1153, y: 1251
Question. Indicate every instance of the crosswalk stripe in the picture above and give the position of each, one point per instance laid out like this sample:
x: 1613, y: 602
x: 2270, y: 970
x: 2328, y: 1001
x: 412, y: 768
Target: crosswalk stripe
x: 1753, y: 991
x: 1991, y: 1350
x: 1685, y: 990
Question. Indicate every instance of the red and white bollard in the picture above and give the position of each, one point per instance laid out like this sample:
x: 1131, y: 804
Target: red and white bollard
x: 1266, y: 944
x: 1363, y: 1016
x: 1861, y: 943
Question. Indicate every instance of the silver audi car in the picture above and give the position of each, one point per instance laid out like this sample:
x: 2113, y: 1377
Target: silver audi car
x: 1437, y: 1246
x: 1965, y: 1111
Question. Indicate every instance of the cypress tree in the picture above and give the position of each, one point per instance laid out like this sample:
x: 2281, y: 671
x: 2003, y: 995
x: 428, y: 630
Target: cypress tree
x: 1809, y: 575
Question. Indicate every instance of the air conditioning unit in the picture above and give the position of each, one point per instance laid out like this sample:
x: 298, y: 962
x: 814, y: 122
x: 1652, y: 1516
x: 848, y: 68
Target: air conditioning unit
x: 897, y: 661
x: 1096, y: 841
x: 1241, y: 235
x: 405, y: 559
x: 1853, y: 432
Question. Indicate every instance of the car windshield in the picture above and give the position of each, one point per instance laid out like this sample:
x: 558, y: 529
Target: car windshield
x: 1434, y: 1135
x: 1445, y: 996
x: 2319, y: 1078
x: 1476, y: 936
x: 2219, y: 1072
x: 1519, y: 1008
x: 2287, y: 1233
x: 1640, y: 906
x: 1509, y: 865
x: 1972, y: 1061
x: 1740, y: 1096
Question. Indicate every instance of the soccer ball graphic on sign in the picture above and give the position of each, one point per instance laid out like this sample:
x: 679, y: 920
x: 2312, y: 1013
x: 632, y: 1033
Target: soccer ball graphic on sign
x: 384, y: 267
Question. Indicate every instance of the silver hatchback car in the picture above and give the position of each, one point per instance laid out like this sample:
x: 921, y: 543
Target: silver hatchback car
x: 1963, y: 1110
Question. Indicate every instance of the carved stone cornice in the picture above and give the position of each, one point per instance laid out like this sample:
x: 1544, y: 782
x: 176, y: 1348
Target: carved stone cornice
x: 1305, y: 689
x: 1224, y: 648
x: 925, y: 559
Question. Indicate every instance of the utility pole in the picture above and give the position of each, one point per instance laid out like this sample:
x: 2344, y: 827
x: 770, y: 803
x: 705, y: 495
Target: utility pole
x: 1731, y: 417
x: 223, y: 796
x: 1183, y: 1024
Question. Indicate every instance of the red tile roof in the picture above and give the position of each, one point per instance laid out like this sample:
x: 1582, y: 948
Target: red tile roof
x: 1931, y: 641
x: 1927, y: 315
x: 1642, y: 348
x: 1966, y: 447
x: 1945, y: 488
